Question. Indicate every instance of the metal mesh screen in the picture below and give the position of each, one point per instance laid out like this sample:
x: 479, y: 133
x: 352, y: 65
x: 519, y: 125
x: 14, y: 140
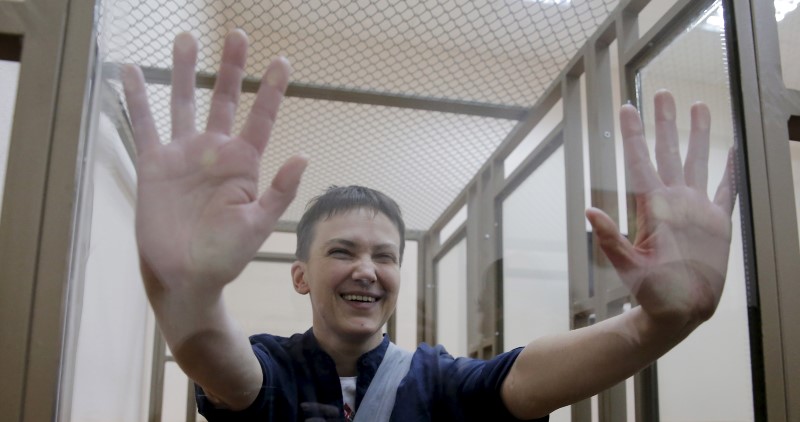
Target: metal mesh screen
x: 503, y: 52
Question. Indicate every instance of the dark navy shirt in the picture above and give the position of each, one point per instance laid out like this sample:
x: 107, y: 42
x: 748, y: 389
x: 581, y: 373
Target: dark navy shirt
x: 301, y: 383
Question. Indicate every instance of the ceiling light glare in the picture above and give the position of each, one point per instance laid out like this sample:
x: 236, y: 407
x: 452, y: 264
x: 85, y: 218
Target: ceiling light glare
x: 783, y: 7
x: 716, y: 21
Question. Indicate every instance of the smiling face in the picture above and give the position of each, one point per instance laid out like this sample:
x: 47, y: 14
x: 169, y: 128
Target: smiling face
x: 352, y: 274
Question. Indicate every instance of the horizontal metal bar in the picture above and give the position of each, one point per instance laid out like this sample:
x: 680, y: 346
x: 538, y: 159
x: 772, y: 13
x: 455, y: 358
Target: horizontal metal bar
x: 274, y: 257
x: 162, y: 76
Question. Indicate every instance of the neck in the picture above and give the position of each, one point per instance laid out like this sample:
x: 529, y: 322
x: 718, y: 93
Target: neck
x: 345, y: 352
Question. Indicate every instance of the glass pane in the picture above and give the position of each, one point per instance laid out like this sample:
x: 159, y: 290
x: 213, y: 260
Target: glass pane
x: 794, y: 147
x: 708, y: 376
x: 407, y: 303
x: 535, y: 271
x: 451, y: 300
x: 788, y: 17
x: 9, y: 76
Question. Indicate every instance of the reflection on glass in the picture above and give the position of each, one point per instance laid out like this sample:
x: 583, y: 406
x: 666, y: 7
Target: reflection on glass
x: 451, y: 300
x: 788, y: 16
x: 9, y: 75
x: 535, y: 272
x: 707, y: 377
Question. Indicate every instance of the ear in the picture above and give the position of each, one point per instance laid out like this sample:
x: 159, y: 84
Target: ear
x: 299, y: 278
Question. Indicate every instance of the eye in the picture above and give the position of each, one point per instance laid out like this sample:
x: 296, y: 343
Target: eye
x: 339, y: 253
x: 386, y: 257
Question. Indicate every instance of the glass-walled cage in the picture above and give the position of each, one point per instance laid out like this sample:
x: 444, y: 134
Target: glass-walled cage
x: 493, y: 124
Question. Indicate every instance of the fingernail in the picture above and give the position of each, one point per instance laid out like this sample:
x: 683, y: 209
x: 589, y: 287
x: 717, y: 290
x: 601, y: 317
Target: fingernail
x: 276, y: 76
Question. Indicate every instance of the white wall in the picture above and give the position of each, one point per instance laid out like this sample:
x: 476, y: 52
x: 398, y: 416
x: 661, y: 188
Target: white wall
x: 114, y: 348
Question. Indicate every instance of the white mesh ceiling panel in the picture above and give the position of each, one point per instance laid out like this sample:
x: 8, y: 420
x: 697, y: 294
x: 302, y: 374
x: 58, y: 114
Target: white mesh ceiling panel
x: 503, y: 53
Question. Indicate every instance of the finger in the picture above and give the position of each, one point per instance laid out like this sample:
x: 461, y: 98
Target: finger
x: 726, y: 191
x: 668, y: 154
x: 184, y: 59
x: 616, y: 247
x: 229, y: 83
x: 258, y: 127
x: 145, y: 135
x: 696, y: 169
x: 282, y: 190
x: 642, y: 174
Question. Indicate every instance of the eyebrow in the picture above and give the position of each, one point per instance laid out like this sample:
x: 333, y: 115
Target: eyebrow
x: 351, y: 244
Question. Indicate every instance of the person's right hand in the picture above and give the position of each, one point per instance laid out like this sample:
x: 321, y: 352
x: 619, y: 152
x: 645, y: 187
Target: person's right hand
x: 199, y: 217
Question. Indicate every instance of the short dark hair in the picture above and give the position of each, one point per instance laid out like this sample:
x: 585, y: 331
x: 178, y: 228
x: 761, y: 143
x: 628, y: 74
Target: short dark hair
x: 339, y: 199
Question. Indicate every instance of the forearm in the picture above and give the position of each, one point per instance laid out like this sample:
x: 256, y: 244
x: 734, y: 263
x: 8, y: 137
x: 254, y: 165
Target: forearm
x: 558, y: 370
x: 205, y: 340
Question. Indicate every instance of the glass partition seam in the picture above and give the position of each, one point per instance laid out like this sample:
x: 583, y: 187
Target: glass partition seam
x: 574, y: 180
x: 781, y: 199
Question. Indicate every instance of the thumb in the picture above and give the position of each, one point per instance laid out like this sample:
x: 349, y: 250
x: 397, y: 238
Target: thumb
x: 279, y: 195
x: 616, y: 247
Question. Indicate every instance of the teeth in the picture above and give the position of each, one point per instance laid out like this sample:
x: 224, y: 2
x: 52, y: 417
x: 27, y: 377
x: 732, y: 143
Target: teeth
x: 358, y: 298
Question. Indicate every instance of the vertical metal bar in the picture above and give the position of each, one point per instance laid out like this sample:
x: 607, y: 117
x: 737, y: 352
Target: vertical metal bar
x: 611, y: 402
x: 24, y: 192
x: 602, y: 166
x: 157, y: 378
x: 475, y: 241
x: 577, y: 245
x: 429, y: 282
x: 191, y: 408
x: 774, y: 224
x: 645, y: 383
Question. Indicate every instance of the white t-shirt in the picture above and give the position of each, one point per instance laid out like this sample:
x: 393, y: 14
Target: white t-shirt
x: 349, y: 394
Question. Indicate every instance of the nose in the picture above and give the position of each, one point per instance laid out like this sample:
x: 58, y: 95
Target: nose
x: 365, y: 271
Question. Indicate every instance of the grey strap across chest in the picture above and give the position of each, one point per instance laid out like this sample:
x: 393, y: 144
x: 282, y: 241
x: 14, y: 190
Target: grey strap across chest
x: 378, y: 401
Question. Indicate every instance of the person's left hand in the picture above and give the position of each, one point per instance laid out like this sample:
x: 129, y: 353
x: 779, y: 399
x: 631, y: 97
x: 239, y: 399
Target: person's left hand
x: 676, y: 266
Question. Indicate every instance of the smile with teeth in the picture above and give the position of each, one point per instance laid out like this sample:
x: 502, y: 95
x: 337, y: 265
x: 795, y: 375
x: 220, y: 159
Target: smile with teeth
x: 359, y: 298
